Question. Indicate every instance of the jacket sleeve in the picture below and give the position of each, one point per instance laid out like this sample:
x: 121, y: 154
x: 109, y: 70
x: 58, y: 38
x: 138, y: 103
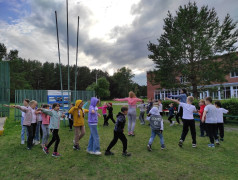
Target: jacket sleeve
x: 48, y: 112
x: 123, y: 99
x: 176, y: 96
x: 138, y: 99
x: 71, y: 110
x: 22, y: 108
x: 86, y: 110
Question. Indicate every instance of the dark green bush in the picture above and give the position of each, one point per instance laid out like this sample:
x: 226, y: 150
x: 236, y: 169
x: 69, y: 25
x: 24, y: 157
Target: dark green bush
x: 231, y: 105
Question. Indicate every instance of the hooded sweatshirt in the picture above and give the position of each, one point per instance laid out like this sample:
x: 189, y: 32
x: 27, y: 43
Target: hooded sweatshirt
x: 93, y: 117
x: 78, y: 113
x: 104, y: 109
x: 120, y: 124
x: 28, y: 114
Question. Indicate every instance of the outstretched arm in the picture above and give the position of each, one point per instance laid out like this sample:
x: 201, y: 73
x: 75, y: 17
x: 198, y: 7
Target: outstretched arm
x: 203, y: 116
x: 174, y: 100
x: 123, y: 99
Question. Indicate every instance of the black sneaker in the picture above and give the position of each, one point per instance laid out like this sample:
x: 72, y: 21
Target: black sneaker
x: 149, y: 147
x: 180, y: 143
x: 126, y: 154
x: 108, y: 153
x: 76, y: 147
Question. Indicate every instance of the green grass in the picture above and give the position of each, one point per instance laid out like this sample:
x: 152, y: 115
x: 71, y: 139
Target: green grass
x: 172, y: 163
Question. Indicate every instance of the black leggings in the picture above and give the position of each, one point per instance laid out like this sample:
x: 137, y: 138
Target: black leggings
x: 105, y: 119
x: 55, y: 139
x: 212, y: 132
x: 220, y: 130
x: 170, y: 117
x: 186, y: 125
x: 34, y: 129
x: 122, y: 137
x: 70, y: 123
x: 110, y: 116
x: 30, y: 136
x: 179, y: 115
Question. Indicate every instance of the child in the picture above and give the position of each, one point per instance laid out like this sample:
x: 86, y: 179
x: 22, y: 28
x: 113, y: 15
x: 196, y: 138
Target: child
x: 39, y: 133
x: 142, y: 112
x: 23, y: 128
x: 202, y: 124
x: 118, y: 133
x: 220, y: 122
x: 188, y: 120
x: 104, y: 113
x: 29, y: 111
x: 160, y: 107
x: 210, y: 113
x: 78, y: 115
x: 55, y: 115
x: 171, y: 113
x: 157, y: 127
x: 70, y: 117
x: 110, y: 113
x: 149, y: 107
x: 93, y: 144
x: 45, y: 126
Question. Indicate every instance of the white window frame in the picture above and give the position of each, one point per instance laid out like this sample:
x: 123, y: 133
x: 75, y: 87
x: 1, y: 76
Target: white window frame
x: 235, y: 74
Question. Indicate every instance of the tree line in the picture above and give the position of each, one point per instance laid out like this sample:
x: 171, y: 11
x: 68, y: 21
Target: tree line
x: 33, y: 74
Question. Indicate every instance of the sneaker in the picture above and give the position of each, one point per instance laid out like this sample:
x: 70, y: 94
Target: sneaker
x: 194, y: 145
x: 45, y: 149
x: 211, y: 145
x: 162, y: 146
x: 89, y: 152
x: 76, y: 147
x: 37, y: 142
x: 221, y: 139
x: 108, y: 153
x: 217, y: 142
x: 129, y: 134
x: 132, y: 134
x: 149, y: 147
x: 22, y: 142
x: 180, y: 143
x: 28, y: 148
x: 97, y: 153
x: 56, y: 154
x: 126, y: 154
x: 33, y: 142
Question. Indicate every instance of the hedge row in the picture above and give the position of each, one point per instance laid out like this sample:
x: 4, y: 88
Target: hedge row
x: 229, y: 104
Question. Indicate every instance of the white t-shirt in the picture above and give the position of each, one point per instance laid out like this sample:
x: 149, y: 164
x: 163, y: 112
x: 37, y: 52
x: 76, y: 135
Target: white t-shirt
x: 188, y: 110
x: 220, y: 112
x: 211, y: 116
x: 160, y: 108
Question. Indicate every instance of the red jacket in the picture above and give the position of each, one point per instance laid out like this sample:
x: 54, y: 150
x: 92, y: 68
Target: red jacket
x: 201, y: 110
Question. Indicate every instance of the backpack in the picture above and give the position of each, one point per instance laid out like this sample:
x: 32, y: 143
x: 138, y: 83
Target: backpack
x: 155, y: 122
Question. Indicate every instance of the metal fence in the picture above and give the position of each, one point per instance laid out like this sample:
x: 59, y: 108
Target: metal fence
x: 4, y: 88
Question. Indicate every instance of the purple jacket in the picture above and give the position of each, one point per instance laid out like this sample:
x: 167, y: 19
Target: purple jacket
x: 93, y: 117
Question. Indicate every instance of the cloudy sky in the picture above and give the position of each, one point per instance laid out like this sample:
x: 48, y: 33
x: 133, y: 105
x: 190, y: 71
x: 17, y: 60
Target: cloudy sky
x: 113, y: 33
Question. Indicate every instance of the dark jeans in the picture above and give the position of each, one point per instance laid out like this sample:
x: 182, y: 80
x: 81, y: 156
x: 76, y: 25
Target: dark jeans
x: 30, y: 136
x: 110, y: 116
x: 203, y: 128
x: 179, y: 115
x: 170, y: 117
x: 34, y: 129
x: 212, y: 132
x: 105, y: 120
x: 55, y: 139
x: 122, y: 137
x: 220, y: 130
x: 70, y: 123
x: 186, y: 125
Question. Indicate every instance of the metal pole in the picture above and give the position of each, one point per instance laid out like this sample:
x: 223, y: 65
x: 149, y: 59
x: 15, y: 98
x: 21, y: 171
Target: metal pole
x: 67, y: 11
x: 75, y: 88
x: 61, y: 85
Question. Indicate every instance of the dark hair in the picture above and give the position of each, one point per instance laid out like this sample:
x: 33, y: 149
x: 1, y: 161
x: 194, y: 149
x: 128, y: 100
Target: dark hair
x: 209, y: 99
x: 218, y: 103
x: 54, y: 105
x: 124, y: 108
x: 184, y: 91
x: 27, y: 100
x: 143, y: 101
x: 45, y: 106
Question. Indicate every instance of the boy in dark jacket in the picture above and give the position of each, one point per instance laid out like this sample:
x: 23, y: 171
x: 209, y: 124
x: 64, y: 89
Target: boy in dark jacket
x: 118, y: 133
x: 171, y: 113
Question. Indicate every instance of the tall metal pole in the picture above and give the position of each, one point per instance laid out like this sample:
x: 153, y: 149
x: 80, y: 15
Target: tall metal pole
x: 61, y: 84
x: 67, y: 11
x: 75, y: 88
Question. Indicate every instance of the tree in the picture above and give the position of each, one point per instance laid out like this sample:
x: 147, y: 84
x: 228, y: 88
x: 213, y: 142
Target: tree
x: 191, y: 43
x: 101, y: 88
x: 3, y: 51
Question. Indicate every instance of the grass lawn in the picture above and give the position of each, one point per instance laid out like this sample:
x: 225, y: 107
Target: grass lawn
x: 171, y: 163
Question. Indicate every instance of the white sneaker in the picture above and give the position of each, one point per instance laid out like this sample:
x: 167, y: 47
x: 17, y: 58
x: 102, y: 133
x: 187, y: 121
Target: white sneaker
x: 22, y: 142
x: 217, y: 142
x: 37, y: 142
x: 33, y: 142
x: 89, y: 152
x: 97, y: 153
x: 194, y: 145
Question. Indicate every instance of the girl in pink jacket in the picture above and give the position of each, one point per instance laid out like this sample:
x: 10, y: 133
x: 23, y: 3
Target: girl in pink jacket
x: 104, y: 113
x: 132, y: 100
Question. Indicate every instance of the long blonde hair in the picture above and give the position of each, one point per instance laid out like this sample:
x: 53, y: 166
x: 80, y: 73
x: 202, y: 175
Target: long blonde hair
x: 132, y: 94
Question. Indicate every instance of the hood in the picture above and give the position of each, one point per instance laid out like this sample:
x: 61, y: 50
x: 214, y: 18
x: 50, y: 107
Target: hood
x: 78, y: 102
x: 120, y: 114
x: 154, y: 111
x: 94, y: 101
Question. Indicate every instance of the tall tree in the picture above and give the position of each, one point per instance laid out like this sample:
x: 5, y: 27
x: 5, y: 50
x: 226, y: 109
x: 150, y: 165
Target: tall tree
x: 189, y: 47
x: 3, y: 51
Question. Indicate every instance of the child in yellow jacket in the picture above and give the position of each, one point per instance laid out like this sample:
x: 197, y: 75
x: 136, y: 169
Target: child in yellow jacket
x: 78, y: 115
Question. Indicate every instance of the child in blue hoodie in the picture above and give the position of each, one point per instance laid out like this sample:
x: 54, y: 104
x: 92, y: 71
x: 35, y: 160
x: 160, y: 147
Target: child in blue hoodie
x: 93, y: 144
